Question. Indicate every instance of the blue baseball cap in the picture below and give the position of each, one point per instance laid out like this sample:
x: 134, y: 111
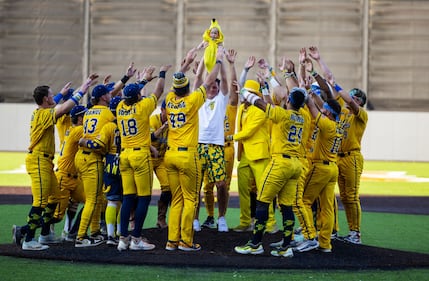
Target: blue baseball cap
x: 78, y: 110
x: 163, y: 104
x: 131, y: 90
x: 101, y: 90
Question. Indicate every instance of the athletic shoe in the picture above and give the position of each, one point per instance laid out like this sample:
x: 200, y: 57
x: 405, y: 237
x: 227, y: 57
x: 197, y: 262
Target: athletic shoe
x: 113, y: 241
x: 87, y: 242
x: 33, y: 245
x: 189, y: 248
x: 243, y: 228
x: 17, y: 235
x: 98, y: 236
x: 209, y: 223
x: 221, y: 225
x: 324, y: 250
x: 71, y: 237
x: 298, y: 231
x: 139, y: 244
x: 298, y: 237
x: 172, y: 245
x: 250, y: 248
x: 307, y: 245
x: 353, y: 237
x: 334, y: 235
x: 282, y: 252
x: 196, y: 225
x: 50, y: 239
x: 124, y: 243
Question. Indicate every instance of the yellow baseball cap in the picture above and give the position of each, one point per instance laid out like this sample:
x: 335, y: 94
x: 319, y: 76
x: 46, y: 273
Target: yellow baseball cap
x: 253, y: 87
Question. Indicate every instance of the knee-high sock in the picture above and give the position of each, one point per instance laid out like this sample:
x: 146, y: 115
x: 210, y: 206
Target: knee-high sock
x: 288, y: 223
x: 261, y: 221
x: 47, y: 218
x: 111, y: 214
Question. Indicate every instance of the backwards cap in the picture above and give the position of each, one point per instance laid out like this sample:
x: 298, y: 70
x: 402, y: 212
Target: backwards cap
x: 78, y: 110
x: 180, y: 80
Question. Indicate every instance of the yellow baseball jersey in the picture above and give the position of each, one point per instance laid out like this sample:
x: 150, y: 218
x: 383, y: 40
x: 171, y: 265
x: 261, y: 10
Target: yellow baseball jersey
x: 133, y: 122
x: 161, y: 142
x: 287, y: 131
x: 230, y: 116
x: 305, y: 112
x: 69, y: 147
x: 94, y: 120
x: 109, y: 138
x: 353, y: 128
x: 328, y: 139
x: 63, y: 124
x: 183, y: 118
x: 42, y: 131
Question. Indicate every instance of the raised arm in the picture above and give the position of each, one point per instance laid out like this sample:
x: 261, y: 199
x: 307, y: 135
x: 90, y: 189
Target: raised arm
x: 189, y: 59
x: 247, y: 66
x: 121, y: 83
x: 159, y: 88
x: 231, y: 55
x: 65, y: 107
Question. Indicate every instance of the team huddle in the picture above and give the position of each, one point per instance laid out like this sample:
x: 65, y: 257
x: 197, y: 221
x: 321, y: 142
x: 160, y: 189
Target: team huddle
x: 295, y: 136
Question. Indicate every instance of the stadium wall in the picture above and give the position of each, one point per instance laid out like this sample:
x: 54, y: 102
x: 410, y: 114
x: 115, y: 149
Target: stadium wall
x: 390, y: 136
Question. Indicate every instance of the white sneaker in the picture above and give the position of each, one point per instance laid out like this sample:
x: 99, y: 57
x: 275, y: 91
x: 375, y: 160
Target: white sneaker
x: 138, y: 244
x: 308, y: 245
x: 196, y: 225
x: 49, y: 239
x: 124, y: 243
x: 353, y: 237
x: 222, y: 226
x: 33, y: 245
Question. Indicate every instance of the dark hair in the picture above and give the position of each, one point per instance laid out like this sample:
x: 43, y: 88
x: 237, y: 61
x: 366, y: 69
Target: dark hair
x: 131, y: 100
x: 39, y: 93
x: 359, y: 94
x: 182, y: 91
x: 334, y: 105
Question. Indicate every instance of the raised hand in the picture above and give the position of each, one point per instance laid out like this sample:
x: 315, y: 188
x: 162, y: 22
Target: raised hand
x: 286, y: 65
x: 250, y: 62
x: 231, y: 55
x: 313, y: 51
x: 302, y: 55
x: 131, y: 70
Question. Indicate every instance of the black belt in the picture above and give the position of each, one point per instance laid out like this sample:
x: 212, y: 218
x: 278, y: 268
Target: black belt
x: 286, y: 156
x: 86, y: 152
x: 135, y: 148
x: 228, y: 144
x: 180, y: 148
x: 326, y: 162
x: 344, y: 154
x: 44, y: 155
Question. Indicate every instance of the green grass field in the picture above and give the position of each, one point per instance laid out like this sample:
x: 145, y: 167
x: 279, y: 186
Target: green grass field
x: 401, y: 232
x: 380, y: 178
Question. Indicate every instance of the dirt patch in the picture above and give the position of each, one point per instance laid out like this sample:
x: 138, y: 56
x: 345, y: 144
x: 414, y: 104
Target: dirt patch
x: 218, y: 251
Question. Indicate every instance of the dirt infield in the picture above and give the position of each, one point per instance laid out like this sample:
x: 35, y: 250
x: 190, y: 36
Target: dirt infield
x: 218, y: 248
x: 218, y: 251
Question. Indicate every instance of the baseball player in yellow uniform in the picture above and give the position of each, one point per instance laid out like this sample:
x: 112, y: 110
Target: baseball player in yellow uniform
x: 181, y: 158
x: 44, y: 185
x: 322, y: 177
x: 350, y: 159
x: 109, y: 143
x: 282, y: 173
x: 69, y: 183
x: 90, y: 166
x: 159, y: 134
x: 133, y: 115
